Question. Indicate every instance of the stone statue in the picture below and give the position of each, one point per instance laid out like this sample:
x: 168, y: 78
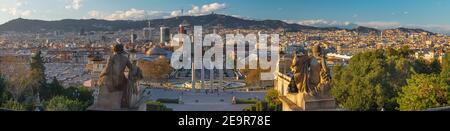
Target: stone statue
x: 116, y: 89
x: 131, y: 94
x: 311, y: 74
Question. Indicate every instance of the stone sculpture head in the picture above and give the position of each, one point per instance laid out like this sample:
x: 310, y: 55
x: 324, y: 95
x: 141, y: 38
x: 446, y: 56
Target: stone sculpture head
x: 316, y: 51
x: 118, y: 48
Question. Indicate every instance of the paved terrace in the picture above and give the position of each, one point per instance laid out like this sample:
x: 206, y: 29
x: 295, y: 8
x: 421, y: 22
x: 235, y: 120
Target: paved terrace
x: 206, y: 101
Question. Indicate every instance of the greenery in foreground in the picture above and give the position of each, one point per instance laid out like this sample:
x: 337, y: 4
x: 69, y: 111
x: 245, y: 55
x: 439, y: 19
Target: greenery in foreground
x: 156, y: 106
x: 271, y: 103
x: 19, y: 89
x: 391, y: 80
x: 424, y: 91
x: 246, y: 101
x: 168, y: 101
x: 62, y: 103
x: 375, y: 80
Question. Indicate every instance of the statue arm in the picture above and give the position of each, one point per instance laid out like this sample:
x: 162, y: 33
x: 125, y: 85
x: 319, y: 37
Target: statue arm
x: 131, y: 69
x: 107, y: 68
x: 129, y: 65
x: 324, y: 64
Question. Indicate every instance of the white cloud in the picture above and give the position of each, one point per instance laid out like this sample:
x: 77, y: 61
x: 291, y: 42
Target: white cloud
x: 12, y: 11
x: 20, y: 3
x: 137, y: 14
x: 380, y: 24
x: 197, y: 10
x: 212, y: 7
x: 16, y: 9
x: 129, y: 14
x: 237, y: 16
x: 95, y: 14
x: 175, y: 13
x: 25, y: 13
x: 325, y: 23
x: 432, y: 27
x: 317, y: 22
x: 16, y: 12
x: 132, y: 14
x: 208, y: 8
x: 74, y: 5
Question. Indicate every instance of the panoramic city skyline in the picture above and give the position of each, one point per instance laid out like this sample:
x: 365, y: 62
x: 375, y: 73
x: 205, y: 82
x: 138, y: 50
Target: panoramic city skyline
x: 379, y: 14
x: 224, y: 55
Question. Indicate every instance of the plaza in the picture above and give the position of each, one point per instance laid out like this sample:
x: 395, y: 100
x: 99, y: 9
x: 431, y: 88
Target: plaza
x: 221, y: 101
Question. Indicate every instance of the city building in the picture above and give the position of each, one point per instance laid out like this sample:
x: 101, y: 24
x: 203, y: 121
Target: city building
x: 164, y: 35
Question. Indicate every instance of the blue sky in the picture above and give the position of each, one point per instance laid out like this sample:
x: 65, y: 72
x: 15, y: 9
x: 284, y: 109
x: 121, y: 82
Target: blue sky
x: 429, y: 14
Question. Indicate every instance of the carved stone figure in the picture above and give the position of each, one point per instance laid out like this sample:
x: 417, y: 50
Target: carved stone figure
x: 116, y: 89
x: 311, y: 74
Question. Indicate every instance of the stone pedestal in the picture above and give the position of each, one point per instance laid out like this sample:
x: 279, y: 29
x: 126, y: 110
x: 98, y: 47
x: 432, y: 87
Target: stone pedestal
x: 111, y: 101
x: 305, y: 102
x: 107, y: 100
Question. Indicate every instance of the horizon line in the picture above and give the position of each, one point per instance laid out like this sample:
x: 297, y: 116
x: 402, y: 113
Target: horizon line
x: 358, y: 25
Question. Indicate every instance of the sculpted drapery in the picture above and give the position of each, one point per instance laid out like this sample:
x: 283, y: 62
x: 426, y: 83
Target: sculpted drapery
x: 310, y: 73
x: 116, y: 90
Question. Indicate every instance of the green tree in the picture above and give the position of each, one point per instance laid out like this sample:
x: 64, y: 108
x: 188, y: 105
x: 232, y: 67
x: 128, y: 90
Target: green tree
x: 358, y: 86
x: 445, y: 73
x: 264, y: 106
x: 3, y: 93
x: 435, y: 67
x: 82, y: 94
x: 274, y: 103
x: 404, y: 52
x: 372, y: 79
x: 422, y: 92
x: 61, y: 103
x: 272, y: 95
x: 271, y: 103
x: 156, y: 106
x: 37, y: 71
x: 51, y: 90
x: 421, y: 66
x: 156, y: 71
x: 14, y: 105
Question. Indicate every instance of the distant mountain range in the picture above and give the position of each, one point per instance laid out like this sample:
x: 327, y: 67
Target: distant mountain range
x: 326, y: 23
x: 72, y: 25
x: 412, y: 30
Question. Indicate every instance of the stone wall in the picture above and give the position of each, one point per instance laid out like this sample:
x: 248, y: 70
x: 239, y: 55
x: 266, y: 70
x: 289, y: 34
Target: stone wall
x: 301, y: 101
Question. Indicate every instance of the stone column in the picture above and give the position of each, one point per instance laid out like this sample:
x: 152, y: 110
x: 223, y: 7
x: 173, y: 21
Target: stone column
x: 211, y: 79
x: 203, y: 76
x: 193, y: 77
x: 220, y: 86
